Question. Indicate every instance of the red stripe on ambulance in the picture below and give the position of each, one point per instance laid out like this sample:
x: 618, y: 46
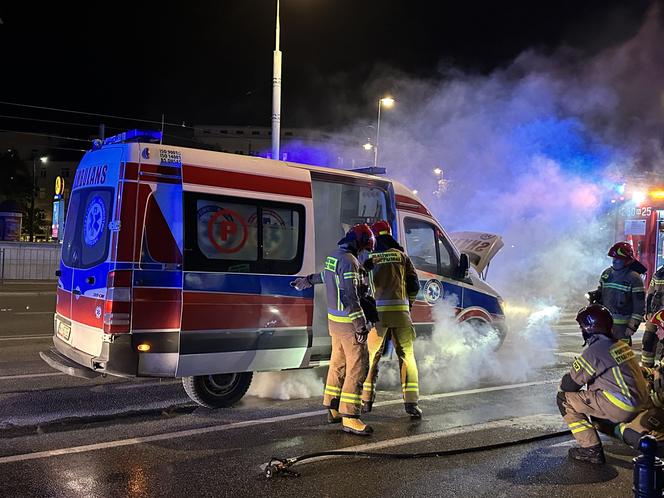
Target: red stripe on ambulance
x: 219, y: 311
x: 245, y: 181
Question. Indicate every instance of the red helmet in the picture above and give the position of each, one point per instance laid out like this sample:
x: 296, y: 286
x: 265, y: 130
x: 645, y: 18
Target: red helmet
x: 362, y: 236
x: 381, y: 227
x: 622, y: 250
x: 595, y: 319
x: 658, y: 319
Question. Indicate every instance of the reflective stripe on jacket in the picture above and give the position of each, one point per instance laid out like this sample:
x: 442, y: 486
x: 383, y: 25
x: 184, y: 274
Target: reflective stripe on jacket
x: 341, y: 276
x: 656, y: 291
x: 623, y: 294
x: 394, y: 284
x: 611, y: 366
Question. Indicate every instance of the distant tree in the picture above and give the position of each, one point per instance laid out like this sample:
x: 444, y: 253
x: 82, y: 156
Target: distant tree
x: 41, y: 225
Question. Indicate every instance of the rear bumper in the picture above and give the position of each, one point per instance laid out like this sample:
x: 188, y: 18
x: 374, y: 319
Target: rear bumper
x: 117, y: 358
x: 60, y: 362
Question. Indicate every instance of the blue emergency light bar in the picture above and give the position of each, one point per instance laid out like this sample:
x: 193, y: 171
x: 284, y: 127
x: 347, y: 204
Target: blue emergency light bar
x: 371, y: 170
x: 134, y: 136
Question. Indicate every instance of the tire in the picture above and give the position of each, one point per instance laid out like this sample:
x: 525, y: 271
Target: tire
x: 217, y: 391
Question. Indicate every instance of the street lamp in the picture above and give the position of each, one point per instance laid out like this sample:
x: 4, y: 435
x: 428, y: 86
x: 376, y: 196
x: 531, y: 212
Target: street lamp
x: 386, y: 102
x: 43, y: 160
x: 276, y: 91
x: 367, y: 146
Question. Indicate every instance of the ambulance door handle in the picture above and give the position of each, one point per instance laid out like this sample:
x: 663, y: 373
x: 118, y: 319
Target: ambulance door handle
x: 90, y: 280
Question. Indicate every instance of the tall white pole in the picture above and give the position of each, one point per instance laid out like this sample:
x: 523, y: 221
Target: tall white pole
x: 380, y: 101
x: 276, y: 92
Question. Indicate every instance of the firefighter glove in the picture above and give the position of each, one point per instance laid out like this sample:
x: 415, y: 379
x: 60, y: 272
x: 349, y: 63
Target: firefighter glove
x: 632, y: 325
x: 361, y: 335
x: 301, y: 283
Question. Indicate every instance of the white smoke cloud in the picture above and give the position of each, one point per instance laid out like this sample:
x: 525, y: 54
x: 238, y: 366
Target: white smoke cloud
x: 529, y: 152
x: 289, y: 384
x: 460, y: 355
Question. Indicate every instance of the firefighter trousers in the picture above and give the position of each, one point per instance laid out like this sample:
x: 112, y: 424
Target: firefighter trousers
x: 577, y: 407
x: 621, y: 333
x: 348, y: 369
x: 403, y: 339
x: 649, y: 345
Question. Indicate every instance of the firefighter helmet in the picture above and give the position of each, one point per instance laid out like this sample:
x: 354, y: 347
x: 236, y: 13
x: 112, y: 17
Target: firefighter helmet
x: 595, y: 319
x: 622, y: 250
x: 361, y: 237
x: 658, y: 319
x: 381, y: 227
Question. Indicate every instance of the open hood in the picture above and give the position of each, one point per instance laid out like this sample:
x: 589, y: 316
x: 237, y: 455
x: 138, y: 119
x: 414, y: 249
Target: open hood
x: 479, y: 246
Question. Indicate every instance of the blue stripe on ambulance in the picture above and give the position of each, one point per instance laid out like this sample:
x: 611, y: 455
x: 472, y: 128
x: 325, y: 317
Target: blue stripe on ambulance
x: 271, y: 285
x: 466, y: 297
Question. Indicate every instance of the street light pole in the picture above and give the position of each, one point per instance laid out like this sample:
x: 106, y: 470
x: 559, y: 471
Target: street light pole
x: 387, y: 102
x: 276, y: 92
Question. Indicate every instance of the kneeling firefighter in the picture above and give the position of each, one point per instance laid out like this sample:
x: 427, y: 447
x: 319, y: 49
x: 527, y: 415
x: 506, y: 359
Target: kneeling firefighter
x: 654, y: 305
x: 348, y: 327
x: 616, y: 389
x: 395, y: 286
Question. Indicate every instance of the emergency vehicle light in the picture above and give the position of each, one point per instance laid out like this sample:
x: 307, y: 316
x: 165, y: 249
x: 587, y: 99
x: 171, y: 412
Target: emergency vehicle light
x: 135, y: 136
x: 657, y: 194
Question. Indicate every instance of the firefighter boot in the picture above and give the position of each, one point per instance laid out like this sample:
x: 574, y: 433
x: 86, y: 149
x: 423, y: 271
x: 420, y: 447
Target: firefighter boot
x: 355, y: 426
x: 333, y: 416
x: 593, y: 454
x: 413, y: 410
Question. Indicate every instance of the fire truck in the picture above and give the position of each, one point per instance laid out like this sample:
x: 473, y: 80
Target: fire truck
x: 639, y: 220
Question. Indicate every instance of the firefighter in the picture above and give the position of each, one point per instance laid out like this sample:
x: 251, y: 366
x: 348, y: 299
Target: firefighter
x: 653, y: 305
x: 650, y: 421
x: 616, y: 389
x: 348, y: 327
x: 621, y: 291
x: 395, y: 285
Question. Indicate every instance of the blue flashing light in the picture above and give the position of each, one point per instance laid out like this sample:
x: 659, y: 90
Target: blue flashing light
x: 371, y: 170
x: 135, y: 136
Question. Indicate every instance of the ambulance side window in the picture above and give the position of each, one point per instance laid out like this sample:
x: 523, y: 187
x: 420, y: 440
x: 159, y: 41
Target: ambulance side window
x: 427, y: 247
x: 239, y: 235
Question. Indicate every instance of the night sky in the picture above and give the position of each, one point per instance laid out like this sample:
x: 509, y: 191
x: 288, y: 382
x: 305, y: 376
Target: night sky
x: 211, y: 62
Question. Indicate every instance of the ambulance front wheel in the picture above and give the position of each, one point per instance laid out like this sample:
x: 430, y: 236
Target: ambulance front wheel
x: 219, y: 390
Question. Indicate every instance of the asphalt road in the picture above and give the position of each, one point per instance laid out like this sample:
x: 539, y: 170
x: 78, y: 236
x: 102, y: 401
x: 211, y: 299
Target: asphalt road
x: 68, y: 437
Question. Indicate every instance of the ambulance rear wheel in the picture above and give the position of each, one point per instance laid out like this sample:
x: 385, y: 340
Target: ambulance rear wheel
x: 219, y: 390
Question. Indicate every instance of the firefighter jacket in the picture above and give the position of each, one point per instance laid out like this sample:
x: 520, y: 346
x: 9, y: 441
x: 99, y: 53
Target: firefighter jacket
x: 656, y: 291
x: 394, y: 284
x: 622, y: 292
x: 611, y: 367
x: 341, y: 278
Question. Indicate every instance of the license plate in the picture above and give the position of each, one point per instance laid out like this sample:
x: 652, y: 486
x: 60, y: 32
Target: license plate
x: 64, y: 331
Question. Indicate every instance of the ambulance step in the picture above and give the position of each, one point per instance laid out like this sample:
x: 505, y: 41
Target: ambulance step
x: 60, y: 362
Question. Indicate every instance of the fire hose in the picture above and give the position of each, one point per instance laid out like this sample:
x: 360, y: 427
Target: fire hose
x: 282, y: 466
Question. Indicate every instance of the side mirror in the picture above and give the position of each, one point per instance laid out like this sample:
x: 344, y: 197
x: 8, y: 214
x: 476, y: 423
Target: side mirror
x: 462, y: 269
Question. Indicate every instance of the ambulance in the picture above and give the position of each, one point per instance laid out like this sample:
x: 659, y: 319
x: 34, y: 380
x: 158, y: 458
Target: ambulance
x: 177, y: 262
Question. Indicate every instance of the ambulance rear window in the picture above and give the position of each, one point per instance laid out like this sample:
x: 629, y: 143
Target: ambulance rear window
x: 86, y: 236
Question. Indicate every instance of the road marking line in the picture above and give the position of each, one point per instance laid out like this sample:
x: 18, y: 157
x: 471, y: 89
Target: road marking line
x: 21, y: 337
x: 29, y: 376
x: 550, y: 421
x: 235, y: 425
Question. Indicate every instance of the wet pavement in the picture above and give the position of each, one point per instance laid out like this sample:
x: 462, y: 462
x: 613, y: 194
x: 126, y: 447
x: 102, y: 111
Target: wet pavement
x: 62, y: 436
